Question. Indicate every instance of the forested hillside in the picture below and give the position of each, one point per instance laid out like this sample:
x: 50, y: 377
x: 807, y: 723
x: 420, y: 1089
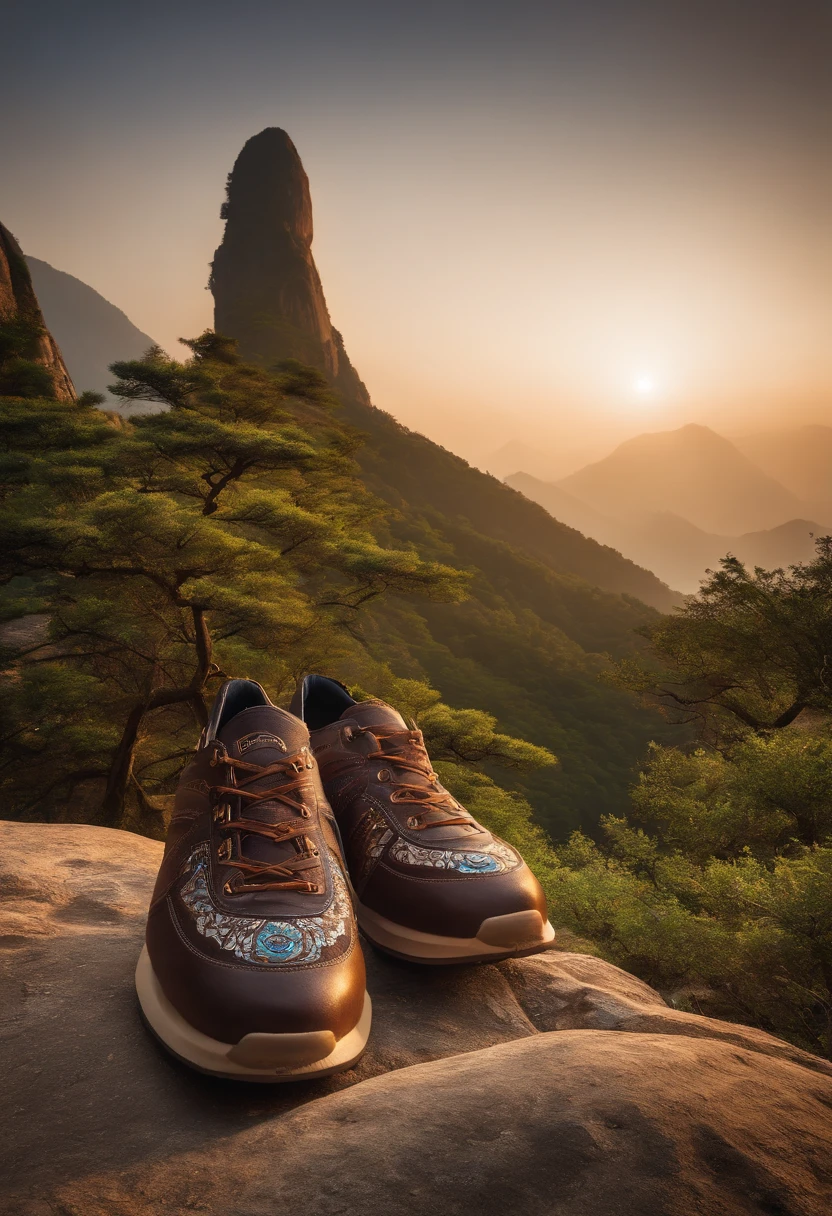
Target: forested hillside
x: 717, y: 886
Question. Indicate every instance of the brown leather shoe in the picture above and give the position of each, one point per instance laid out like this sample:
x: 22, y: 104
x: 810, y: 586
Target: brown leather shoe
x: 434, y: 885
x: 252, y: 967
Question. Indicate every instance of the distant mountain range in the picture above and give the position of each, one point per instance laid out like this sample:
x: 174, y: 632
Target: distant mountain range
x: 692, y: 472
x: 90, y: 331
x: 678, y: 501
x: 800, y: 459
x: 545, y: 459
x: 671, y: 502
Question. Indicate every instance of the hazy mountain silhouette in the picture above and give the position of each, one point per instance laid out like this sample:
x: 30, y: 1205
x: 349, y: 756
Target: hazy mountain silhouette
x: 519, y: 455
x: 792, y: 542
x: 672, y: 547
x: 692, y: 472
x: 677, y: 550
x: 564, y: 506
x: 91, y: 332
x: 543, y: 459
x: 800, y: 459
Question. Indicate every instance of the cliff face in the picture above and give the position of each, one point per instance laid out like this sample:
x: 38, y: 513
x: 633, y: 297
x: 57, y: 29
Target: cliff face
x: 18, y: 299
x: 267, y: 290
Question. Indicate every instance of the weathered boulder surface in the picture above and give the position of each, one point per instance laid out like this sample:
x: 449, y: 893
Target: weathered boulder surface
x: 556, y: 1084
x: 17, y: 298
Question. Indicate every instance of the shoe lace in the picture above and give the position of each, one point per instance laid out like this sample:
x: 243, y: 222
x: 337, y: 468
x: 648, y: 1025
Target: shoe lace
x: 410, y: 755
x: 262, y: 875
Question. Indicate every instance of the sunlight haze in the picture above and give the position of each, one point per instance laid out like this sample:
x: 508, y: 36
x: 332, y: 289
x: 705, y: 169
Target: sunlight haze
x: 576, y: 224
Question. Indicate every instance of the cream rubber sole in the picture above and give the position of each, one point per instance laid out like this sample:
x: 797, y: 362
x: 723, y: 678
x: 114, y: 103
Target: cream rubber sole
x: 257, y: 1057
x: 516, y: 933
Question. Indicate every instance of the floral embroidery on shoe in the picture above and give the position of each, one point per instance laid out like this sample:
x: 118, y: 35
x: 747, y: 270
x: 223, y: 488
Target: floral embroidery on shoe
x: 493, y: 858
x: 300, y: 939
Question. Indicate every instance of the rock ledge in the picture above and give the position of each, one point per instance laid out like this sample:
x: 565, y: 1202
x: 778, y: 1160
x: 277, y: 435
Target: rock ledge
x: 554, y: 1084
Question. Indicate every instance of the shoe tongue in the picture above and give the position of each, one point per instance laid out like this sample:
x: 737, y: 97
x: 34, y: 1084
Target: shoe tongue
x: 263, y: 735
x: 375, y: 713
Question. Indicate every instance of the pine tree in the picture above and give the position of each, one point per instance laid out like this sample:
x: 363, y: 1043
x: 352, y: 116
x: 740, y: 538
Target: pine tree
x: 228, y: 534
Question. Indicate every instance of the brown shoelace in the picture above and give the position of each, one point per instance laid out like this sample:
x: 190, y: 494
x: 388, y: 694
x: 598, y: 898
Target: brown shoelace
x: 415, y: 759
x: 267, y: 876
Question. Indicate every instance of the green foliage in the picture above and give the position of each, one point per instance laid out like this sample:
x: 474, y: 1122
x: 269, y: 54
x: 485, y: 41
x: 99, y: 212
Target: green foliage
x: 229, y: 534
x: 725, y: 901
x: 20, y: 373
x: 25, y: 378
x: 749, y: 652
x: 510, y: 649
x: 718, y: 887
x: 89, y: 397
x: 19, y: 337
x: 771, y: 794
x: 459, y: 736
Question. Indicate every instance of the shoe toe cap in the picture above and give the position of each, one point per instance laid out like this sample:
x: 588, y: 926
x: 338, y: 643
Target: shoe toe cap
x: 452, y: 902
x: 228, y: 998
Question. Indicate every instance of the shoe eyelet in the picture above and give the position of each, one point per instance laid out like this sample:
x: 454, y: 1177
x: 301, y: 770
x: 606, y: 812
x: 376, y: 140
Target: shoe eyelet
x: 315, y: 852
x: 305, y: 812
x: 413, y: 822
x: 228, y: 889
x: 384, y: 774
x: 224, y: 851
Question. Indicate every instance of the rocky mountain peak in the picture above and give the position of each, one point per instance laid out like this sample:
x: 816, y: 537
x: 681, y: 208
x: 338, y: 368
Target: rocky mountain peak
x: 270, y: 189
x: 18, y: 301
x: 267, y: 291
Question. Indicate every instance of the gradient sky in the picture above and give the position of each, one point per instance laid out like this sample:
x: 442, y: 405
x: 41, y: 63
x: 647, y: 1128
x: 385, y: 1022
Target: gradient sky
x: 522, y: 210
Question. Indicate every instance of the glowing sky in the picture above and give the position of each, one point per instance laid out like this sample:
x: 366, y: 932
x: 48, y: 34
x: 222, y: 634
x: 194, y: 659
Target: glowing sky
x: 559, y: 222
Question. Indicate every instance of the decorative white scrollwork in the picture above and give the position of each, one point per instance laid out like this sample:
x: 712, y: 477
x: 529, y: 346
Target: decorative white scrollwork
x: 297, y: 940
x: 494, y: 858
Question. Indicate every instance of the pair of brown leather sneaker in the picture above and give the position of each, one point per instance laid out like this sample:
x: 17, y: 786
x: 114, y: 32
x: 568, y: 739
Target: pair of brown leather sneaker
x: 280, y: 839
